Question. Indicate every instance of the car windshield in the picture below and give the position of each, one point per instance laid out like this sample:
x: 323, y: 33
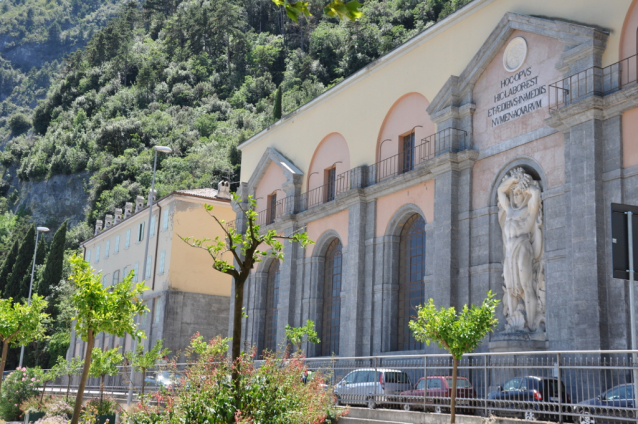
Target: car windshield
x: 396, y: 377
x: 421, y: 385
x: 461, y: 383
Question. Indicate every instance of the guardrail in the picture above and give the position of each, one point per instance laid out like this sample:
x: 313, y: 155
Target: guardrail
x: 579, y: 386
x: 593, y: 81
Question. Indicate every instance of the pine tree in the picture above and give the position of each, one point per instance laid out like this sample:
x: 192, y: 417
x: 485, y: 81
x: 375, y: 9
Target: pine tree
x: 21, y: 266
x: 39, y: 260
x: 55, y: 261
x: 7, y: 265
x: 276, y: 112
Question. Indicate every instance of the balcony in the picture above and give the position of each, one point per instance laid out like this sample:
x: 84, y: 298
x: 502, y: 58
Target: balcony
x: 450, y: 140
x: 594, y: 81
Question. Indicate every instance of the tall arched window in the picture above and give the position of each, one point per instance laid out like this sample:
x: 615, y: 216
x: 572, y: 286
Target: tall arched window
x: 332, y: 300
x: 412, y: 270
x: 272, y: 301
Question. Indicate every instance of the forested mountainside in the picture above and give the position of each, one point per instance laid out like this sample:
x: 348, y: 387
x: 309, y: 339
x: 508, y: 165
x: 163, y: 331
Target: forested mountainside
x: 197, y: 75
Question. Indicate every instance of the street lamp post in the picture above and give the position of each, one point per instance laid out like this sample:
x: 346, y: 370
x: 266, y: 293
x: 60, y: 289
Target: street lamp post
x: 151, y: 199
x: 35, y: 253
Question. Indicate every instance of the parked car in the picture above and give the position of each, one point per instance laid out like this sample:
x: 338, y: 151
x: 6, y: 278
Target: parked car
x: 529, y: 397
x: 163, y: 379
x: 616, y: 405
x: 439, y: 394
x: 369, y: 387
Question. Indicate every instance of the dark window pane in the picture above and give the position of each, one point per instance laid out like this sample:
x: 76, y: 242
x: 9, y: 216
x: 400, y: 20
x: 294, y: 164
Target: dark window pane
x: 332, y: 300
x: 272, y: 301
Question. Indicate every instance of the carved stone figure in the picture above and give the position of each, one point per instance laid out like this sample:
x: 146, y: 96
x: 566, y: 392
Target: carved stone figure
x: 520, y: 215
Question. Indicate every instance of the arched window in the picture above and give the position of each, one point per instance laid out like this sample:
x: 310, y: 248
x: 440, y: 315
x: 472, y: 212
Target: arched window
x: 412, y: 270
x: 332, y: 300
x: 272, y: 301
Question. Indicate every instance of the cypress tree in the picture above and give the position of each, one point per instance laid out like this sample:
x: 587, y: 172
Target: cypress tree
x: 276, y: 112
x: 21, y: 266
x: 39, y: 260
x: 55, y: 261
x: 7, y: 265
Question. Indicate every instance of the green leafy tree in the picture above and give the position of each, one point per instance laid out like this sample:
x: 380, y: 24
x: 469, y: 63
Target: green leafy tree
x: 54, y: 264
x: 335, y: 9
x: 141, y: 361
x: 105, y: 363
x: 45, y: 376
x: 111, y: 310
x: 22, y: 265
x: 7, y: 266
x: 458, y: 334
x: 296, y: 334
x: 276, y: 112
x: 246, y: 250
x: 69, y: 369
x: 20, y: 324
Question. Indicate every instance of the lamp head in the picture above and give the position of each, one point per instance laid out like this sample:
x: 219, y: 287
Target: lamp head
x: 43, y: 229
x: 163, y: 149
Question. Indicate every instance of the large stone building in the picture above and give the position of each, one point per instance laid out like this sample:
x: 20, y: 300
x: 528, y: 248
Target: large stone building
x: 483, y: 154
x: 185, y: 294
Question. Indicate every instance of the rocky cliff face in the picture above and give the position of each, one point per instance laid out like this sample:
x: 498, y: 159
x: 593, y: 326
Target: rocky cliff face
x: 56, y: 199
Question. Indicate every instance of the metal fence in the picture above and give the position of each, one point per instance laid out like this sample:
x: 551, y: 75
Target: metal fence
x: 579, y: 386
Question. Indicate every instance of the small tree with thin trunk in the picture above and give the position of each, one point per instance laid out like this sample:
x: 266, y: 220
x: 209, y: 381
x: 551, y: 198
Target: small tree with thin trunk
x: 458, y: 334
x: 247, y: 249
x: 68, y: 368
x: 103, y: 363
x: 141, y: 361
x: 46, y: 376
x: 111, y: 310
x: 296, y: 334
x: 20, y: 324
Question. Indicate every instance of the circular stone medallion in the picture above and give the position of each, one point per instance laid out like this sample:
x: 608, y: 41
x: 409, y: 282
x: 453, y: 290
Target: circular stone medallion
x: 515, y: 54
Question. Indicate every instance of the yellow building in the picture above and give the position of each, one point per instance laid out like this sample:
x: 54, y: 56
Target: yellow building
x: 411, y: 175
x: 186, y: 295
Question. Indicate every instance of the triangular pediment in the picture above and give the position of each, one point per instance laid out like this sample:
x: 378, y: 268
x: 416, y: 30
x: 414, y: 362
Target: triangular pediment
x: 582, y: 45
x: 291, y: 172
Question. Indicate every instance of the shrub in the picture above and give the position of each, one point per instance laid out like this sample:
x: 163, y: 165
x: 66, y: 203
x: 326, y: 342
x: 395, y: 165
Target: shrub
x: 272, y: 393
x: 19, y: 386
x: 19, y: 123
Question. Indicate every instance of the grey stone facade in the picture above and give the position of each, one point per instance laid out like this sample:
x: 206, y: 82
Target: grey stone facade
x: 586, y: 308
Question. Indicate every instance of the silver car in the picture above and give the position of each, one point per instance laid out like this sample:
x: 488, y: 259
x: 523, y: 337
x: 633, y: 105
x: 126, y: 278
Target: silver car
x: 369, y: 386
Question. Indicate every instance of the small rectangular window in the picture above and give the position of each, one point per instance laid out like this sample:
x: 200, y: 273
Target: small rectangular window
x: 104, y: 281
x: 117, y: 245
x: 128, y: 239
x: 136, y: 269
x: 106, y: 250
x: 149, y: 261
x: 88, y: 256
x: 272, y: 208
x: 330, y: 179
x: 140, y: 232
x: 116, y: 276
x: 153, y: 221
x: 162, y: 259
x: 165, y: 220
x: 125, y: 273
x: 97, y: 254
x: 156, y: 311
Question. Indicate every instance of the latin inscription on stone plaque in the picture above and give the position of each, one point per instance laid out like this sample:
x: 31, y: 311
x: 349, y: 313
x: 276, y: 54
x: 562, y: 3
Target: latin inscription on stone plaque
x: 519, y: 94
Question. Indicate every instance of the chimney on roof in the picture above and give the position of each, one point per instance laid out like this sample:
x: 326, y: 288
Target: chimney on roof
x: 148, y: 201
x: 139, y: 203
x: 108, y: 221
x: 98, y: 226
x: 118, y: 216
x: 128, y: 209
x: 223, y: 190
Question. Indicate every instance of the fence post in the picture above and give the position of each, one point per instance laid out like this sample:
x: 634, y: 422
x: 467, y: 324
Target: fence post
x: 376, y: 378
x: 425, y: 381
x: 485, y: 387
x: 560, y: 389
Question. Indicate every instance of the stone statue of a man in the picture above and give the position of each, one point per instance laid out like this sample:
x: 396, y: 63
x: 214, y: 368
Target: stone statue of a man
x: 521, y: 218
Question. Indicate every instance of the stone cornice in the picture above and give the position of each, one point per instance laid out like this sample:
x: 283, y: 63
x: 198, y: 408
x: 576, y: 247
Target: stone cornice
x: 582, y: 111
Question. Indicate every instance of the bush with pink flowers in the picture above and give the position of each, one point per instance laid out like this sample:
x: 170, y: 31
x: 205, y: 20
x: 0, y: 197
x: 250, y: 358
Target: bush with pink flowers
x: 271, y: 393
x: 17, y: 387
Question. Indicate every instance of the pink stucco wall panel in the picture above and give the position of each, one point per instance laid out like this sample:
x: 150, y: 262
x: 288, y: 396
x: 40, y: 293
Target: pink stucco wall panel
x: 337, y: 222
x: 406, y: 113
x: 628, y: 35
x: 547, y: 151
x: 332, y: 149
x: 272, y: 180
x: 630, y: 138
x: 421, y: 195
x: 542, y: 55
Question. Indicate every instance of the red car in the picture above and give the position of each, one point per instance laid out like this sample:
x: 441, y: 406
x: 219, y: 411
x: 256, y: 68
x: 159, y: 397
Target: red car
x: 439, y: 394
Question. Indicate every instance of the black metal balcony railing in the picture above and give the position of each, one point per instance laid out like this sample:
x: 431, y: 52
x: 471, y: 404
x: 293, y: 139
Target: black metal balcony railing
x: 448, y: 140
x: 593, y: 81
